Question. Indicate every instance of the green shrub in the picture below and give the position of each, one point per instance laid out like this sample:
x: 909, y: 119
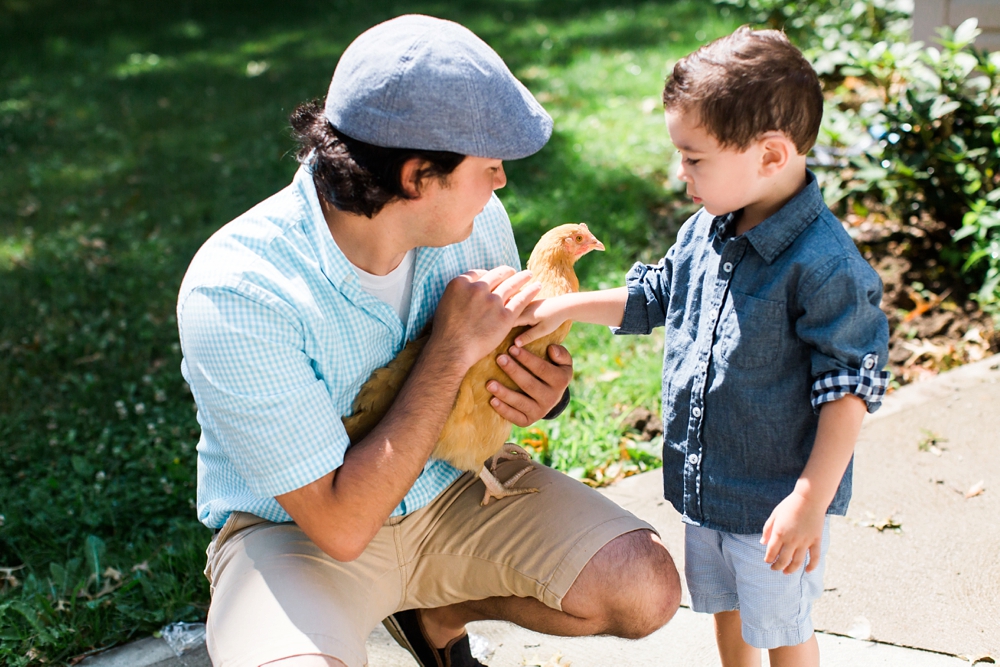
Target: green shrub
x: 911, y: 132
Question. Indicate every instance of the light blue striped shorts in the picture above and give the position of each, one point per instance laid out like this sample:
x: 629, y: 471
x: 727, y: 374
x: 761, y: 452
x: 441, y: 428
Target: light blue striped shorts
x: 726, y: 572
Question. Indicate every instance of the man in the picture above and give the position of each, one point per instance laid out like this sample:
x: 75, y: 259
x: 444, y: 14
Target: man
x: 285, y: 312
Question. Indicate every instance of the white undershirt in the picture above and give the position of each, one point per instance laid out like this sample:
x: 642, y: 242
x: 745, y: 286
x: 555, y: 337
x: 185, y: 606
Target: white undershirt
x: 394, y: 288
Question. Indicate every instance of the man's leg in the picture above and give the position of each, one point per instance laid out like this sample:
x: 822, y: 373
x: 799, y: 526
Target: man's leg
x: 564, y: 561
x: 630, y: 588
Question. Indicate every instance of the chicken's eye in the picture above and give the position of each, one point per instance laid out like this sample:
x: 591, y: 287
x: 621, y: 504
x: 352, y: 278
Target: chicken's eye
x: 579, y: 238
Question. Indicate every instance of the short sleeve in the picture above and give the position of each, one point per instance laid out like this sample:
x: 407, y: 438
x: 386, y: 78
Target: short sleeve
x: 648, y: 296
x: 847, y: 331
x: 258, y: 396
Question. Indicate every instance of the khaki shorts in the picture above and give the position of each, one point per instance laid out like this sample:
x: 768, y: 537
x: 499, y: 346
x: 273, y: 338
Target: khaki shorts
x: 275, y: 594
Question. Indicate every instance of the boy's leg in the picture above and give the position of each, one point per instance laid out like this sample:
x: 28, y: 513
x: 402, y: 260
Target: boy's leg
x: 776, y: 608
x: 712, y: 584
x: 805, y: 654
x: 563, y: 561
x: 733, y: 651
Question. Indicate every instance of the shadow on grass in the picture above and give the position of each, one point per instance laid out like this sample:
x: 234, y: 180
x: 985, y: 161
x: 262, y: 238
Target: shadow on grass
x: 129, y: 132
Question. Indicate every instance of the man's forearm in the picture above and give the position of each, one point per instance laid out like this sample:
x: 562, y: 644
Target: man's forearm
x: 344, y: 510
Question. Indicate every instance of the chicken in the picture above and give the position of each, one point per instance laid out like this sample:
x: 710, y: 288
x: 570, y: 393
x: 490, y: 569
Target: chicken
x: 474, y: 431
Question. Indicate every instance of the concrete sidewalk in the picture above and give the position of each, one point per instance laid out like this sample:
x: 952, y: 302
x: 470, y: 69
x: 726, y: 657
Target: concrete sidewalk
x: 915, y: 566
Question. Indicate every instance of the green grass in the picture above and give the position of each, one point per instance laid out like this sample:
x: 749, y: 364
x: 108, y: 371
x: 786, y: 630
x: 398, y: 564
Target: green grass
x: 129, y: 132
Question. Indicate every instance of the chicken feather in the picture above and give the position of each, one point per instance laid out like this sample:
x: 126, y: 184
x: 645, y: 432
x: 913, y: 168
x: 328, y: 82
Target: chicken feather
x: 474, y: 431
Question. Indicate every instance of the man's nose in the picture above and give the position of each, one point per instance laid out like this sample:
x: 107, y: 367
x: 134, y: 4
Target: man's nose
x: 499, y: 179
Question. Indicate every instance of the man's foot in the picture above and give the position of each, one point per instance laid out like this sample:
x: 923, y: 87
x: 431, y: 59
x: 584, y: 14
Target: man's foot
x: 408, y: 631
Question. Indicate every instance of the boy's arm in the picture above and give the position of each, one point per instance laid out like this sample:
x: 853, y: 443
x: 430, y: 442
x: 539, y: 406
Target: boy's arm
x: 795, y: 527
x: 546, y: 315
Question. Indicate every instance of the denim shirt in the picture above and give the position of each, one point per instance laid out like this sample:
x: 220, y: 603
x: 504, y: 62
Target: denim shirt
x: 761, y: 330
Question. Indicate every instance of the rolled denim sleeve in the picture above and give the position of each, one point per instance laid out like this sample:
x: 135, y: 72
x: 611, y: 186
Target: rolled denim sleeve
x: 848, y: 332
x: 648, y: 296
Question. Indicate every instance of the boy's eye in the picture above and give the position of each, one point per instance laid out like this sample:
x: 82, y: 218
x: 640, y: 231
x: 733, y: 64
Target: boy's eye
x: 690, y: 161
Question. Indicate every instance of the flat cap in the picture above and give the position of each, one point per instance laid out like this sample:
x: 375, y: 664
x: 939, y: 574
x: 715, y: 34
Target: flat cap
x: 426, y: 83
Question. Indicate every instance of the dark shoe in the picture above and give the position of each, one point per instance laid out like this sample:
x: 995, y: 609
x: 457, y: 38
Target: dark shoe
x: 406, y: 628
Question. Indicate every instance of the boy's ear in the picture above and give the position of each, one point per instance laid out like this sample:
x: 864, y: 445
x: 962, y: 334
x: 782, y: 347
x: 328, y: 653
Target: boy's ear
x: 776, y: 152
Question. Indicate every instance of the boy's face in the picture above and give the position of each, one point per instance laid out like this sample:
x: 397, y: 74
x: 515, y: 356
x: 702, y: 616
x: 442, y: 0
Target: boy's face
x: 722, y: 180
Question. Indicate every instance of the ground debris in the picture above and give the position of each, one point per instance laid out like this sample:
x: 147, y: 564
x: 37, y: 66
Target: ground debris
x: 976, y: 489
x: 882, y: 525
x: 556, y: 660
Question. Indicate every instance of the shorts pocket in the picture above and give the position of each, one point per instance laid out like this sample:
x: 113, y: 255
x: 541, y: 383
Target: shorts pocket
x: 751, y: 330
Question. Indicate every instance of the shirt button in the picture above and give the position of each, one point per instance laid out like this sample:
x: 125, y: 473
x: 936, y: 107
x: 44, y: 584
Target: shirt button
x: 693, y: 459
x: 869, y: 363
x: 696, y: 411
x: 728, y: 267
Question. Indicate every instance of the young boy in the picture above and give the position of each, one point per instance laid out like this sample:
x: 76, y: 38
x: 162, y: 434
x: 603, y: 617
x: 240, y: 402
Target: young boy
x: 774, y: 344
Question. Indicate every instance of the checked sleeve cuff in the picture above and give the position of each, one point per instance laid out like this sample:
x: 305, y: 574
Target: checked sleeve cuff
x: 866, y: 383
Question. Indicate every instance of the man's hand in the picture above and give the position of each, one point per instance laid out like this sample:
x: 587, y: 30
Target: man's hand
x: 478, y: 309
x: 542, y: 383
x: 794, y: 529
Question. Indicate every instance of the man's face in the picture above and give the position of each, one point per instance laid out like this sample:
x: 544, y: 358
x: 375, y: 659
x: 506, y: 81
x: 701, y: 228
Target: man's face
x: 455, y: 201
x: 722, y: 180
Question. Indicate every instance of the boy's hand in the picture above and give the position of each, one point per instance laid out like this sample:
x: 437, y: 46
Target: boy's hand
x: 543, y: 316
x: 794, y: 529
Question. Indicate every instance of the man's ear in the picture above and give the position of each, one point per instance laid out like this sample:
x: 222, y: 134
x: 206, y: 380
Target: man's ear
x: 776, y: 151
x: 411, y: 176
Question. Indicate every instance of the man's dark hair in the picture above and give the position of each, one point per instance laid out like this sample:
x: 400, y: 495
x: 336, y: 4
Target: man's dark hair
x: 354, y: 176
x: 745, y: 84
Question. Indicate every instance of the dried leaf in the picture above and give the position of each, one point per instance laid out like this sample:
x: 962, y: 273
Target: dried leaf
x: 881, y: 525
x: 976, y: 489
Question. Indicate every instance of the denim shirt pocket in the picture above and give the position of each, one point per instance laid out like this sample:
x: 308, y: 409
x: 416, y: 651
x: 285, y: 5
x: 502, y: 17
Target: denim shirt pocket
x: 751, y: 330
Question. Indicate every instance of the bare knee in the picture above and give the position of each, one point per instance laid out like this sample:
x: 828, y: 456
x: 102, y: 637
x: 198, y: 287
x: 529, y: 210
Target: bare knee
x: 630, y: 588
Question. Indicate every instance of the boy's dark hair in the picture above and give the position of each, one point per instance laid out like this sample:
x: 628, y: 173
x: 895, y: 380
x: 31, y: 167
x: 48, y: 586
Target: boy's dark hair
x: 352, y: 175
x: 745, y: 84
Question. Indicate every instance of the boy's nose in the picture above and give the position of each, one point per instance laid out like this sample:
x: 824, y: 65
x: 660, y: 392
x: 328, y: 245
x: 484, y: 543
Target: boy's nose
x: 681, y: 173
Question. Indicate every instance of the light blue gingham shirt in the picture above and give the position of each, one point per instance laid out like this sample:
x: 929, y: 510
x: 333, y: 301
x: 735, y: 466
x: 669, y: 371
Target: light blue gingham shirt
x: 278, y: 337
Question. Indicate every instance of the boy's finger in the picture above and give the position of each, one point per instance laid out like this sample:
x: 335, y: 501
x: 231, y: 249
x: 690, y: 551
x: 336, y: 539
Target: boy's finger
x: 766, y: 534
x: 773, y: 549
x: 798, y: 558
x: 529, y: 336
x: 815, y: 554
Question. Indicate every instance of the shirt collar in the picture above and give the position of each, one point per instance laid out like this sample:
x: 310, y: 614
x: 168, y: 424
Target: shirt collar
x: 777, y: 232
x: 333, y: 263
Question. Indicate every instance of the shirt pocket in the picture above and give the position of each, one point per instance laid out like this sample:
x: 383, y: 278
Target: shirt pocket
x: 751, y: 331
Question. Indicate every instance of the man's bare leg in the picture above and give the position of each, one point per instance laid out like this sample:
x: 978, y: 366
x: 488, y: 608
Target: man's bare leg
x: 630, y: 588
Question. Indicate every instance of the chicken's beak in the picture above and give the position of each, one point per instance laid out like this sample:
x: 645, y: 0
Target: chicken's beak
x: 596, y: 245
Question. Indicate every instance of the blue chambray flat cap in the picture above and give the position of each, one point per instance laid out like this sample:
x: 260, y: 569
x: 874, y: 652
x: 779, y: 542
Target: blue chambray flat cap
x: 430, y: 84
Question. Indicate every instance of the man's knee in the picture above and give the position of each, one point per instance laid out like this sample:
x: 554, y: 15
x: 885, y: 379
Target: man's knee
x: 631, y: 587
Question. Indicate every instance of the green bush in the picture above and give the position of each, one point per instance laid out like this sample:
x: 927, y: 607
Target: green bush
x: 910, y: 132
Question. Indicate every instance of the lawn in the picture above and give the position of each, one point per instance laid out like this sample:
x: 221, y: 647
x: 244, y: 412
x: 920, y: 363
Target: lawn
x: 129, y: 132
